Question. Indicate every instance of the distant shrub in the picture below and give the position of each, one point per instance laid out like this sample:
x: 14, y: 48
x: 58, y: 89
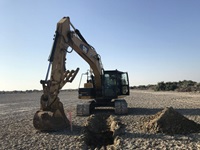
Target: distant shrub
x: 160, y: 86
x: 143, y: 87
x: 181, y: 86
x: 187, y: 86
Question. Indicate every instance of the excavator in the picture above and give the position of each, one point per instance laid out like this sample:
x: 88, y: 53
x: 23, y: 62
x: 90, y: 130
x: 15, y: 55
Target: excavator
x: 103, y: 88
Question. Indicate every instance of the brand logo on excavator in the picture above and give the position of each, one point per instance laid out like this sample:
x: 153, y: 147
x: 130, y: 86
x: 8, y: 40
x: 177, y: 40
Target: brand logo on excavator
x: 84, y: 48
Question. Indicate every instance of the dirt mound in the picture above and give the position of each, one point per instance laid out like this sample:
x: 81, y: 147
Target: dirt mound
x: 170, y: 122
x: 102, y: 131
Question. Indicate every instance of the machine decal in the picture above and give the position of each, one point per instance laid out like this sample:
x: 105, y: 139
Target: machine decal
x: 84, y: 48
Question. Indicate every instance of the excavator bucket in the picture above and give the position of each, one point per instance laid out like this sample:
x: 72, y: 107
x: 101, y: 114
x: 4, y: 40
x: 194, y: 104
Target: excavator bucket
x: 51, y: 119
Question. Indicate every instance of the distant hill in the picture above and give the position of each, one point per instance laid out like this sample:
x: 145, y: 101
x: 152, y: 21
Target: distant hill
x: 181, y: 86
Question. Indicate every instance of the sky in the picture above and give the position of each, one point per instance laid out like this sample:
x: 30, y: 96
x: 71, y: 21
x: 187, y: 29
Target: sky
x: 152, y: 40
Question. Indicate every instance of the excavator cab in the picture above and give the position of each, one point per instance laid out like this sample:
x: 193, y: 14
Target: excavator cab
x: 115, y: 84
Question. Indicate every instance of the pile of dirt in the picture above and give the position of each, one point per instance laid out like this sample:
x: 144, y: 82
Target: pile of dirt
x: 171, y: 122
x: 102, y: 131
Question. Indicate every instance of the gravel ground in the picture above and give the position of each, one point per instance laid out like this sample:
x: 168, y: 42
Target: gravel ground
x: 17, y: 131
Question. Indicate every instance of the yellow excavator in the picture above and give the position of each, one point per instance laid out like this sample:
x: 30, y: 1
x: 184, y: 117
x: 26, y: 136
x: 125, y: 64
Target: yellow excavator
x: 104, y: 88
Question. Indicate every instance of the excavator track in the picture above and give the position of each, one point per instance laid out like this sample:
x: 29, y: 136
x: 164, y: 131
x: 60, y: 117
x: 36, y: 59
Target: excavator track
x: 121, y: 107
x: 84, y: 109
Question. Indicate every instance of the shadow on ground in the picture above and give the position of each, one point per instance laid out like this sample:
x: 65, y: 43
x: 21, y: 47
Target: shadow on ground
x: 152, y: 111
x: 76, y: 130
x: 148, y: 111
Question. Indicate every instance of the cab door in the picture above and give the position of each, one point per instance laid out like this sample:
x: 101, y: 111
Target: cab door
x: 124, y: 85
x: 110, y: 85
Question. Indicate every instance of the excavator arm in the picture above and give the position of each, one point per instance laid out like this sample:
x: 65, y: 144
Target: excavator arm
x: 51, y: 115
x: 59, y: 75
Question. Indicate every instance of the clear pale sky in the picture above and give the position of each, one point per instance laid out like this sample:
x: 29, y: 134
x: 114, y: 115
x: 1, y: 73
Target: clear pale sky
x: 153, y: 40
